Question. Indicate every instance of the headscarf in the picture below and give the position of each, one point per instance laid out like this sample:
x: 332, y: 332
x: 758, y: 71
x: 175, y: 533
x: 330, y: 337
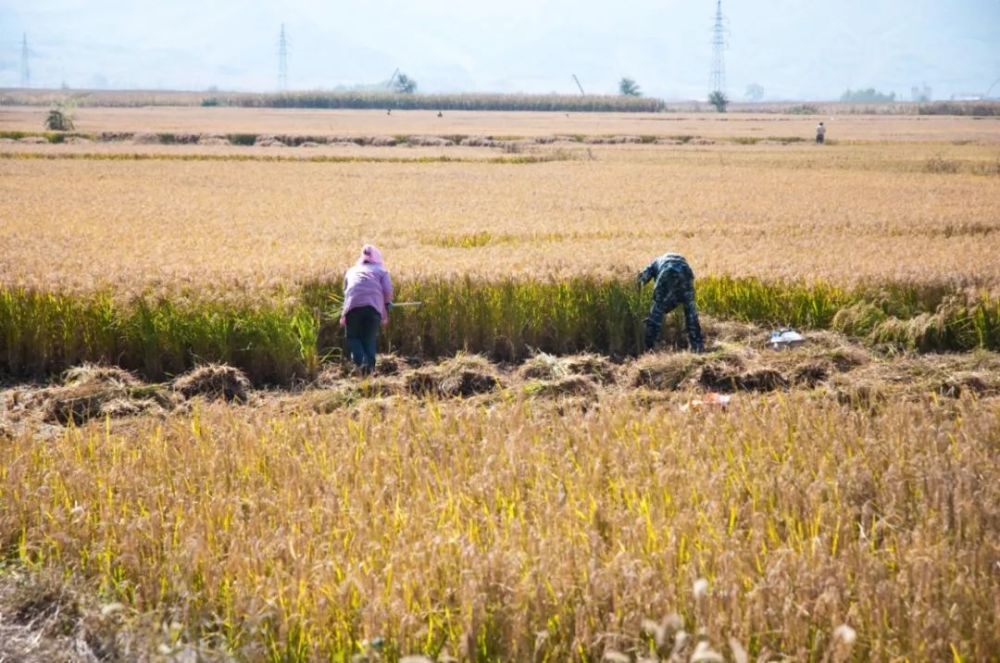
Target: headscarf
x: 370, y: 255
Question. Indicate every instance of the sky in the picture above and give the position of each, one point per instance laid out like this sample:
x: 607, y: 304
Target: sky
x: 793, y: 49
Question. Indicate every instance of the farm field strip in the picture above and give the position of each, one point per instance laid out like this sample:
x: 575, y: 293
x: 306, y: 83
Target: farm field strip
x: 252, y: 226
x: 764, y: 152
x: 770, y: 153
x: 891, y: 128
x: 132, y: 155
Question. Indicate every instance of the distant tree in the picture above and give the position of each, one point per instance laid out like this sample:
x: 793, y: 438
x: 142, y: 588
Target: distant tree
x: 871, y: 95
x: 719, y: 100
x: 627, y: 87
x: 755, y: 92
x: 921, y: 93
x: 404, y: 84
x: 60, y: 117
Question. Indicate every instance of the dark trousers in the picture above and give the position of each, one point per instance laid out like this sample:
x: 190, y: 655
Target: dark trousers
x: 362, y: 333
x: 674, y: 288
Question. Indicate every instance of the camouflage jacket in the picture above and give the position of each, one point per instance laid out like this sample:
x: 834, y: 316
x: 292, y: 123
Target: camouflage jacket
x: 668, y: 262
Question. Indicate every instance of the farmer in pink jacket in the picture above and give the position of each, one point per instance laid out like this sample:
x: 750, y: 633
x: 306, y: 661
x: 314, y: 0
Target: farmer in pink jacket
x: 367, y: 298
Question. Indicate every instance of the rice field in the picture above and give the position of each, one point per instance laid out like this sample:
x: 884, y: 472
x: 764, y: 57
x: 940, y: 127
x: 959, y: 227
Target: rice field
x: 773, y: 212
x: 150, y: 117
x: 189, y: 470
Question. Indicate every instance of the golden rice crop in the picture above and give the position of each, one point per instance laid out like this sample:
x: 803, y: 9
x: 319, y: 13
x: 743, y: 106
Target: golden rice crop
x: 557, y: 511
x: 506, y: 532
x: 849, y: 216
x: 154, y: 116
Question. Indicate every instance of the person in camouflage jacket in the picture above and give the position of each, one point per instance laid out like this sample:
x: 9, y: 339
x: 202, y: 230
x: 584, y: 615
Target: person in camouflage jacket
x: 674, y: 285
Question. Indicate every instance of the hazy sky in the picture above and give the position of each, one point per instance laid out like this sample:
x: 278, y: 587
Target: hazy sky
x: 794, y: 49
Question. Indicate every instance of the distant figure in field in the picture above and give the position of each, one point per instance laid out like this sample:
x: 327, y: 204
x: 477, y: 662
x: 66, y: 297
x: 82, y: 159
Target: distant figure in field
x: 820, y: 133
x: 388, y: 111
x: 440, y: 114
x: 367, y: 298
x: 674, y: 285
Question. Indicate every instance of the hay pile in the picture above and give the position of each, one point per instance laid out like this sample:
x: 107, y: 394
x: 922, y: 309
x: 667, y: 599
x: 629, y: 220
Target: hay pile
x: 463, y: 375
x: 726, y: 377
x: 214, y: 382
x: 664, y: 371
x: 812, y: 373
x: 84, y: 393
x: 348, y: 393
x: 478, y: 141
x: 92, y: 391
x: 572, y: 385
x: 598, y: 368
x: 612, y: 140
x: 729, y: 368
x: 543, y: 366
x: 268, y: 141
x: 333, y: 374
x: 827, y: 364
x: 429, y: 141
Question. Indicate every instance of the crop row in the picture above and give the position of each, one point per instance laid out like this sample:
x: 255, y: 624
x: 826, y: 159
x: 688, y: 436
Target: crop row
x: 42, y: 333
x: 465, y: 102
x: 433, y: 140
x: 160, y: 156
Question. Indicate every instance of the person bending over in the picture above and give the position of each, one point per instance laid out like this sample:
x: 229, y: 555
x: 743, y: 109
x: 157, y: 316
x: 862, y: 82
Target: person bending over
x: 674, y: 285
x: 367, y: 298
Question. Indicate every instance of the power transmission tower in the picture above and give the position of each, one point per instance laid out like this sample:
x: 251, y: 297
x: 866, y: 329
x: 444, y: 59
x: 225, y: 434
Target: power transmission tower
x: 25, y: 54
x: 718, y: 75
x: 282, y: 60
x: 392, y: 79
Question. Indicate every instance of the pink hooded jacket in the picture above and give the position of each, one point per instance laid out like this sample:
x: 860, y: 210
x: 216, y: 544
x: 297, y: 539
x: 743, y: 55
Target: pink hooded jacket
x: 367, y: 283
